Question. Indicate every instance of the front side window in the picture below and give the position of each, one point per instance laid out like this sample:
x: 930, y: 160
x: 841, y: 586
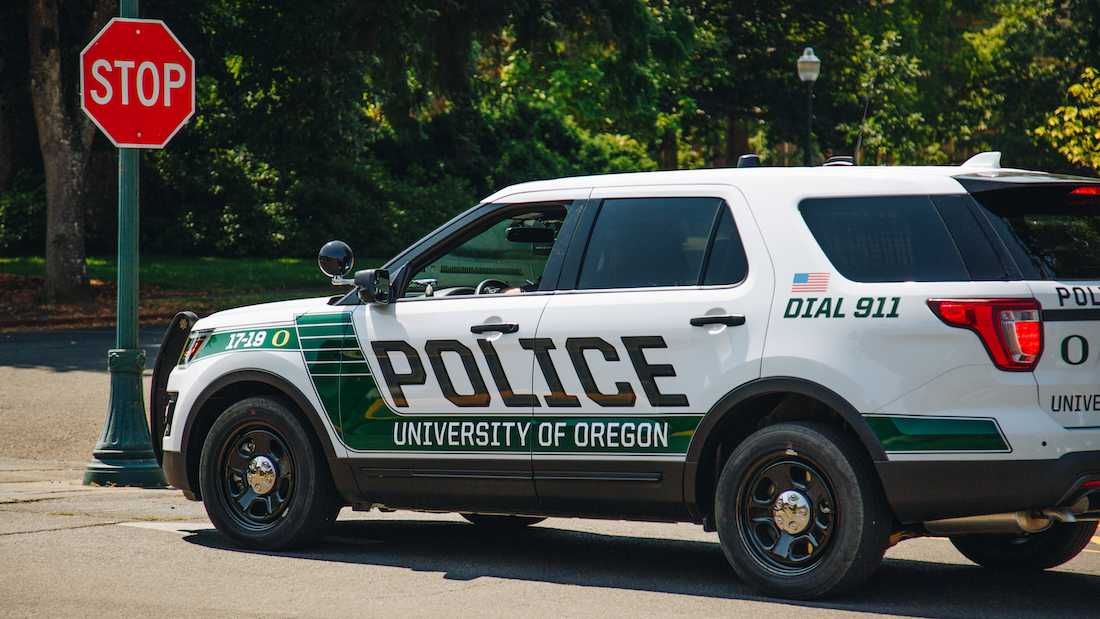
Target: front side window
x: 651, y: 242
x: 503, y: 255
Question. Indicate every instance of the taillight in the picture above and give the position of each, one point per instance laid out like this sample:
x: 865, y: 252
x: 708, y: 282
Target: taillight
x: 1086, y: 191
x: 1010, y: 329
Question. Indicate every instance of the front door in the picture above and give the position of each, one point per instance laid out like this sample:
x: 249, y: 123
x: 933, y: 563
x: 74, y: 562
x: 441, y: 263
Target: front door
x: 664, y: 314
x: 450, y: 423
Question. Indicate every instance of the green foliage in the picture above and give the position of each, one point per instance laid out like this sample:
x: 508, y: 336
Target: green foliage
x: 23, y: 214
x: 376, y: 121
x: 1074, y: 130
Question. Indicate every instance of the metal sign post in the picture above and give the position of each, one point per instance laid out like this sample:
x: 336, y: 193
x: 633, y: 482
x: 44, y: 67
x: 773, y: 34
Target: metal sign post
x: 137, y: 85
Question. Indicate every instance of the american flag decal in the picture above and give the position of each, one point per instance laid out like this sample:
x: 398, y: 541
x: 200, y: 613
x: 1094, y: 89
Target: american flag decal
x: 810, y: 282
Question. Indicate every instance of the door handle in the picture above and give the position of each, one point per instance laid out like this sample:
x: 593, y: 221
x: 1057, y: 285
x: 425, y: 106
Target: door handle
x: 733, y: 320
x: 498, y: 327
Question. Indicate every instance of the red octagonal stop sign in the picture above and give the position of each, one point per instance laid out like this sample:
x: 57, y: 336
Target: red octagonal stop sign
x: 137, y: 83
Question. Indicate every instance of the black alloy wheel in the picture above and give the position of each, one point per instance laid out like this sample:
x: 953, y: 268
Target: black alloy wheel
x: 264, y: 477
x: 787, y: 514
x: 258, y: 476
x: 800, y: 511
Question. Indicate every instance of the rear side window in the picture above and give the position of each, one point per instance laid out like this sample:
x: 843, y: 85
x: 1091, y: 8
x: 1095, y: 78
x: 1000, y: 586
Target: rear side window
x: 726, y: 262
x: 975, y: 245
x: 884, y: 239
x: 1049, y: 233
x: 650, y: 242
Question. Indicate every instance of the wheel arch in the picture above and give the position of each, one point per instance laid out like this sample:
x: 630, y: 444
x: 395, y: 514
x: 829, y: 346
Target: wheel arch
x: 233, y: 387
x: 741, y: 411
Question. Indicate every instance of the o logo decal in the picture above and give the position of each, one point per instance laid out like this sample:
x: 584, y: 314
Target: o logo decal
x: 1084, y: 350
x: 282, y: 336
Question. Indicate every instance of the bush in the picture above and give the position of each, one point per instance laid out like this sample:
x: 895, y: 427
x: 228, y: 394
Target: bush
x: 23, y: 215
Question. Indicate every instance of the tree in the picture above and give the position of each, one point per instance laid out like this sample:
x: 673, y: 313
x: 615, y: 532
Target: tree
x: 1074, y: 130
x: 65, y: 140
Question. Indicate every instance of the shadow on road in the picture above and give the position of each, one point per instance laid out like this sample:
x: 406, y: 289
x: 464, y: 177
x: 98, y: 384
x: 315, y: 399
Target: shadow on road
x: 71, y: 349
x: 463, y: 552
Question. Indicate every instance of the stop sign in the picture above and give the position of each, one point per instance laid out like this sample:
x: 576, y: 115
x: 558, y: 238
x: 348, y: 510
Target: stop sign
x: 137, y: 83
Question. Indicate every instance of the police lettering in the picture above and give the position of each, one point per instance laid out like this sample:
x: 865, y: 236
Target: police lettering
x: 386, y: 351
x: 1082, y: 296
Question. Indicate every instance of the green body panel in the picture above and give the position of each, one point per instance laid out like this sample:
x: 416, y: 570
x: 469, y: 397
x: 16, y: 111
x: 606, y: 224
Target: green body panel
x: 903, y: 434
x: 330, y: 351
x: 352, y: 401
x: 266, y: 338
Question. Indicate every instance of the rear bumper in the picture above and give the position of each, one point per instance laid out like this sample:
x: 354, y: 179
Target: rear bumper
x: 175, y: 471
x: 921, y: 490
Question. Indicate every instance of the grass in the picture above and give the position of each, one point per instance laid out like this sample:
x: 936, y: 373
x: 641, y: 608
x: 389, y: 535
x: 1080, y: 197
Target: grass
x: 200, y: 274
x: 169, y: 284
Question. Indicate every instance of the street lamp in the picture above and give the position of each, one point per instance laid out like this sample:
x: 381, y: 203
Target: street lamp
x: 809, y: 67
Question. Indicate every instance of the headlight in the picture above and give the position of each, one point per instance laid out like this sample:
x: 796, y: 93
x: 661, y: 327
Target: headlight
x: 194, y: 344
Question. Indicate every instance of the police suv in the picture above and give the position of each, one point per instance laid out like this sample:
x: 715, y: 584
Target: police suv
x: 817, y: 363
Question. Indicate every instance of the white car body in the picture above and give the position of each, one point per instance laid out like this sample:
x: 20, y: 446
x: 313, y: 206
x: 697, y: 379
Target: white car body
x: 883, y: 374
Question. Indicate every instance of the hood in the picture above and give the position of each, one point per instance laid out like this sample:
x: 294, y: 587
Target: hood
x: 263, y: 314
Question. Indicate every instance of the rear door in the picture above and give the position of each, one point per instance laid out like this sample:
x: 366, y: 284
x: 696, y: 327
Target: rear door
x: 658, y: 314
x: 1050, y: 227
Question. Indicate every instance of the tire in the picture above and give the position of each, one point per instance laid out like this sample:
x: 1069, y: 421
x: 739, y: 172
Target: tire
x: 825, y: 471
x: 502, y: 522
x: 301, y: 502
x: 1035, y: 552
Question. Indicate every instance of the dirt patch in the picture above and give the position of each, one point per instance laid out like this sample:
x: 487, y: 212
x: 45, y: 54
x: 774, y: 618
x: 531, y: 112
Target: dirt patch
x: 22, y: 307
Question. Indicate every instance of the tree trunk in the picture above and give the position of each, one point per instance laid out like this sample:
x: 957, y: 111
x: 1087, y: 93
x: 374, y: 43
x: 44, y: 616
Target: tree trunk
x: 7, y: 137
x: 737, y: 138
x: 7, y: 109
x: 669, y: 150
x: 65, y: 138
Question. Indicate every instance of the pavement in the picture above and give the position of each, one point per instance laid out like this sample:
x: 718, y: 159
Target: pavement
x: 71, y: 550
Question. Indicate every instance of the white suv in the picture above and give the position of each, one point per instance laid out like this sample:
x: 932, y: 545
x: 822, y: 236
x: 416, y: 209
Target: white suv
x: 816, y: 363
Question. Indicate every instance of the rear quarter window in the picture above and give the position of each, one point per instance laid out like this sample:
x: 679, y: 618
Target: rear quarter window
x: 884, y: 239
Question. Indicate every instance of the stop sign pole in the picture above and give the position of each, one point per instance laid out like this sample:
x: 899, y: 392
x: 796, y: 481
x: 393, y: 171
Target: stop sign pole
x: 137, y: 85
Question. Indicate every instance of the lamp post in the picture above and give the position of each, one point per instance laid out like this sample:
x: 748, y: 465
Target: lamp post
x: 809, y: 67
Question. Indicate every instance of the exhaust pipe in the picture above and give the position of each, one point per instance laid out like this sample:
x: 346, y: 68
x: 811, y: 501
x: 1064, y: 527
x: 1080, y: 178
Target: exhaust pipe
x: 1014, y: 523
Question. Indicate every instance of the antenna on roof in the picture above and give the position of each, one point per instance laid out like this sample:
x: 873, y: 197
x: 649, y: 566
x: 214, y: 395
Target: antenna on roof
x: 990, y: 160
x: 840, y: 160
x: 750, y: 160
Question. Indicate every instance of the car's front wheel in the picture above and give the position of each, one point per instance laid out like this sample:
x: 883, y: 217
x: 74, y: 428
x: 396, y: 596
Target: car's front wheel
x: 1037, y: 551
x: 264, y: 481
x: 800, y: 512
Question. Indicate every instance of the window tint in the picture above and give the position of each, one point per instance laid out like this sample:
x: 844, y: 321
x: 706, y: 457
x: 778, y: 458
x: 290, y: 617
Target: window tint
x: 977, y: 251
x: 1048, y: 234
x: 726, y: 263
x: 884, y: 239
x: 644, y: 242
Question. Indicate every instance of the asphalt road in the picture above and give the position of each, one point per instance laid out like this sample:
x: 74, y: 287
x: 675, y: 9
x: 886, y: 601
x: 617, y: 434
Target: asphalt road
x: 67, y: 550
x: 53, y: 391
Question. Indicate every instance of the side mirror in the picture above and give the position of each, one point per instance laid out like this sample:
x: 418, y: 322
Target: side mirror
x: 373, y: 285
x: 336, y: 260
x: 527, y: 234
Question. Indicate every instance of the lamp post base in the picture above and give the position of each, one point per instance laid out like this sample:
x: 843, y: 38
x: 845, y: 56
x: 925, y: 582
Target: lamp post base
x: 124, y: 454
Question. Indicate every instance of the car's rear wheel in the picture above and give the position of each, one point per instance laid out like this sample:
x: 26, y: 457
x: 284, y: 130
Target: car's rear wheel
x: 800, y: 512
x: 1037, y: 551
x: 502, y: 522
x: 265, y: 483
